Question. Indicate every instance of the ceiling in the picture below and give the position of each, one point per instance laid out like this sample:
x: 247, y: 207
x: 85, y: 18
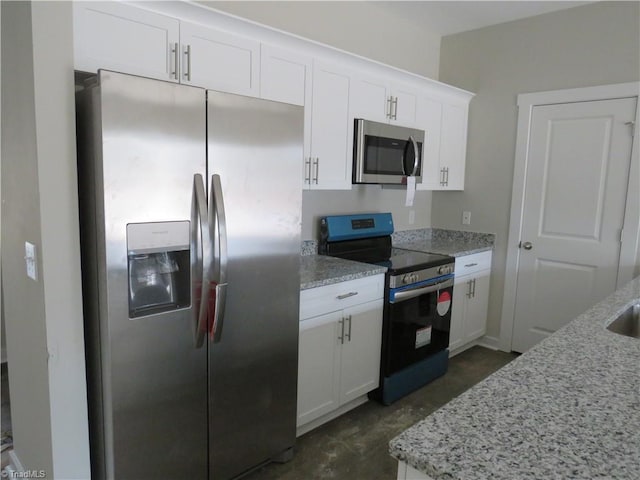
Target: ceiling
x: 449, y: 17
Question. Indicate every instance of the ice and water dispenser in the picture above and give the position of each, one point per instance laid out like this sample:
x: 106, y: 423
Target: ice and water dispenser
x: 158, y: 266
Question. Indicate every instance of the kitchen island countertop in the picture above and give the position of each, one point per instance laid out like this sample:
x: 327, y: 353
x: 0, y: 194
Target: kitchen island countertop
x: 569, y: 408
x: 320, y: 270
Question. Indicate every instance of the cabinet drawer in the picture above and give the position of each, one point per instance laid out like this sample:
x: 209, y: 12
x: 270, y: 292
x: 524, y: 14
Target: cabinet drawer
x: 475, y: 262
x: 320, y: 300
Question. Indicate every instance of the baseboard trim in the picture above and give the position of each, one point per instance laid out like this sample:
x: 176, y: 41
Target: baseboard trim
x: 492, y: 343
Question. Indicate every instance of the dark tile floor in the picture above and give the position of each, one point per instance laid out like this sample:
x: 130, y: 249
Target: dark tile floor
x: 354, y: 446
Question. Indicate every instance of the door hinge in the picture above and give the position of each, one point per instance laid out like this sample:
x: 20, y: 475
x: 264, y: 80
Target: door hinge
x: 633, y: 128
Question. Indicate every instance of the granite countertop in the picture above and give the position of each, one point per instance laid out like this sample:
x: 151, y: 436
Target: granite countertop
x: 569, y: 408
x: 320, y: 270
x: 444, y: 242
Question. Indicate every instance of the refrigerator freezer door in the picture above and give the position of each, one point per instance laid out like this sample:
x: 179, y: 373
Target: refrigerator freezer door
x: 255, y: 146
x: 150, y: 404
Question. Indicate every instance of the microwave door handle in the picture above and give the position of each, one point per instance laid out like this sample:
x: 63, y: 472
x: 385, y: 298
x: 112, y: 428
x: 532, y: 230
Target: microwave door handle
x: 403, y: 161
x: 416, y: 158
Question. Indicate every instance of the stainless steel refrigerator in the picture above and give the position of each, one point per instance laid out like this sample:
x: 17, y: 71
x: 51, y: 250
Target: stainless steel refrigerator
x: 190, y: 221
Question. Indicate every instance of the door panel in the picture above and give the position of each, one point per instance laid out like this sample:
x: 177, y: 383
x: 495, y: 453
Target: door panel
x: 319, y: 368
x: 153, y: 376
x: 331, y: 129
x: 255, y: 146
x: 124, y: 38
x: 361, y: 350
x: 578, y: 163
x: 475, y: 324
x: 219, y: 60
x: 575, y: 175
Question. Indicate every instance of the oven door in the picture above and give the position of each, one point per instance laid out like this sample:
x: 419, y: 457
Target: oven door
x: 418, y: 322
x: 386, y: 154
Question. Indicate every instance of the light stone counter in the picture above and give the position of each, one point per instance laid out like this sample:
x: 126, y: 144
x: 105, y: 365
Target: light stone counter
x: 569, y: 408
x: 320, y: 270
x: 444, y: 242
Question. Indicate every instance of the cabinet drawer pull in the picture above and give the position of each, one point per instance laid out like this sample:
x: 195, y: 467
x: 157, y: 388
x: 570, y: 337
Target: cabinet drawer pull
x: 346, y: 295
x: 470, y: 265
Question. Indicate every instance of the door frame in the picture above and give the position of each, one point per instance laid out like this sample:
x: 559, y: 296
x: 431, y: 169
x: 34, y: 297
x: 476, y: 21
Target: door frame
x: 629, y: 264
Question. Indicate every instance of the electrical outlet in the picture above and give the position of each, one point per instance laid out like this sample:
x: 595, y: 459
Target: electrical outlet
x: 30, y: 260
x: 466, y: 218
x: 412, y: 217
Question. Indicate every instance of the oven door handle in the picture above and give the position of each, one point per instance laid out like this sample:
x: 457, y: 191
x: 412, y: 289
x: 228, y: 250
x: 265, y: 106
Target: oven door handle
x: 401, y: 296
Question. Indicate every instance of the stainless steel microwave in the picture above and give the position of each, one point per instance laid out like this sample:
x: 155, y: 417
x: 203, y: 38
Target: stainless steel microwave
x: 387, y: 154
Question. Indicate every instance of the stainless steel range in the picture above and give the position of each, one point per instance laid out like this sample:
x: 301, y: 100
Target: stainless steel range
x: 418, y: 296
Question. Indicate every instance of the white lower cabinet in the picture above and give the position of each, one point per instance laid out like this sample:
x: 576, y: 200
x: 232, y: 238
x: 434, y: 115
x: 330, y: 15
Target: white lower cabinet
x: 470, y: 300
x: 339, y: 351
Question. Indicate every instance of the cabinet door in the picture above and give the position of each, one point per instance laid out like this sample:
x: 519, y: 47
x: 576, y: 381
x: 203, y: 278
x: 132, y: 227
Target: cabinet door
x: 405, y: 106
x: 461, y: 289
x: 370, y: 99
x: 477, y: 305
x: 318, y: 366
x: 361, y: 350
x: 429, y: 118
x: 331, y: 131
x: 219, y: 60
x: 126, y: 39
x: 453, y: 145
x: 285, y: 76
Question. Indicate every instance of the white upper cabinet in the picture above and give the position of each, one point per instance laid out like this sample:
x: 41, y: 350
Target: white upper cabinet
x: 370, y: 99
x: 453, y: 145
x: 445, y: 149
x: 328, y: 156
x: 430, y: 120
x: 205, y: 48
x: 285, y: 75
x: 218, y: 60
x: 380, y: 100
x: 404, y: 104
x: 126, y: 39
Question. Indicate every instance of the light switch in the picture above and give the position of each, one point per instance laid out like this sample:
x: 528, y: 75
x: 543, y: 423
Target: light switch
x: 31, y: 260
x: 412, y: 217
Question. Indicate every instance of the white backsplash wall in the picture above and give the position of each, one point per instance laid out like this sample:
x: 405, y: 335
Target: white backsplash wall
x: 364, y: 199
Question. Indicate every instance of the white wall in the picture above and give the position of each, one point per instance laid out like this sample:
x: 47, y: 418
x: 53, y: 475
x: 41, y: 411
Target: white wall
x: 39, y: 204
x: 583, y: 46
x: 370, y: 29
x: 373, y: 30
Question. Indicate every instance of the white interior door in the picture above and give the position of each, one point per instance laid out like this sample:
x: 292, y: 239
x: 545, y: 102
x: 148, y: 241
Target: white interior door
x: 578, y: 163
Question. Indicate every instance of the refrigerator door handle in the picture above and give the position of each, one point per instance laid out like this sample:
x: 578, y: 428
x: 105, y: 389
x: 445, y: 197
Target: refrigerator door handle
x: 200, y: 259
x: 218, y: 223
